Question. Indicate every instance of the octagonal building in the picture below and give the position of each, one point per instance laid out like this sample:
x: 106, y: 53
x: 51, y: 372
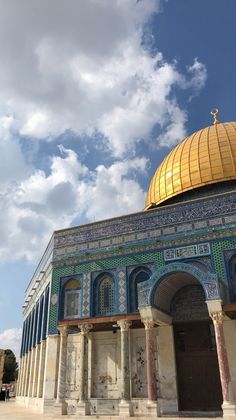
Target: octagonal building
x: 135, y: 316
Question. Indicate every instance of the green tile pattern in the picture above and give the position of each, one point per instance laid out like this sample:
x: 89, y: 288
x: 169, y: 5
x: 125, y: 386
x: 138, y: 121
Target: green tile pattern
x: 156, y: 257
x: 217, y: 249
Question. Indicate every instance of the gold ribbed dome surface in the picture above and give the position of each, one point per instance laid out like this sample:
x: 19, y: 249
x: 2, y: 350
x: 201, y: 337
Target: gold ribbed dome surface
x: 206, y: 157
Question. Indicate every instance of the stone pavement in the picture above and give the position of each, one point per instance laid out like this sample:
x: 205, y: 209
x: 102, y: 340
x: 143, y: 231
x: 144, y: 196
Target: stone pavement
x: 12, y: 411
x: 9, y: 410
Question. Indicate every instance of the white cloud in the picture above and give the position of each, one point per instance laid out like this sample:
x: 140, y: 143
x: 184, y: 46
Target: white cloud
x: 44, y: 202
x: 112, y: 191
x: 11, y: 339
x: 85, y: 68
x: 80, y: 66
x: 198, y: 75
x: 13, y: 166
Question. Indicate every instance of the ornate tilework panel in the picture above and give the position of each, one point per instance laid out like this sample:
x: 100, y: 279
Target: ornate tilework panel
x: 230, y: 264
x: 86, y: 295
x: 138, y: 275
x: 187, y: 251
x: 189, y: 304
x: 204, y: 263
x: 218, y: 257
x: 207, y: 280
x: 122, y: 304
x: 182, y: 213
x: 155, y: 258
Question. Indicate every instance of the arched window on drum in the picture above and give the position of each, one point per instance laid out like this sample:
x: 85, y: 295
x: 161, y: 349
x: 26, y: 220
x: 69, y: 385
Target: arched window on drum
x: 138, y: 275
x: 104, y: 295
x: 71, y: 299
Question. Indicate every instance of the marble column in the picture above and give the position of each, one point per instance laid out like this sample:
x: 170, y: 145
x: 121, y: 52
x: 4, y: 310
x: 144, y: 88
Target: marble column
x: 83, y: 406
x: 19, y: 381
x: 125, y: 405
x: 61, y: 381
x: 41, y: 369
x: 151, y: 368
x: 31, y: 375
x: 27, y: 373
x: 217, y: 315
x: 217, y: 318
x: 22, y: 388
x: 150, y: 354
x: 36, y: 371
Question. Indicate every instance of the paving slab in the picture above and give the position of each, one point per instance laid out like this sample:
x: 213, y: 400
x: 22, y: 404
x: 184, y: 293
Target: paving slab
x: 9, y: 410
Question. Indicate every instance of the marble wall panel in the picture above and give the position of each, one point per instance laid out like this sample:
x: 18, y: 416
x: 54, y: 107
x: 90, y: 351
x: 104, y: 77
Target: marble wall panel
x: 73, y: 366
x: 105, y: 365
x: 138, y: 364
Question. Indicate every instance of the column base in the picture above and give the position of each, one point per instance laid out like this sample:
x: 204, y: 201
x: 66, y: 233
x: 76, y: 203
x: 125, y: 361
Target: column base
x: 125, y: 408
x: 83, y: 408
x: 61, y: 407
x: 153, y: 408
x: 229, y: 410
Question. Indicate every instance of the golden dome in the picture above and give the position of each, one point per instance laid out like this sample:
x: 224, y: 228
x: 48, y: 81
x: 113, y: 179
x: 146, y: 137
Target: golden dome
x: 206, y: 157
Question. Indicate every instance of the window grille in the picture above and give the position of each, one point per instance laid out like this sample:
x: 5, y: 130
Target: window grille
x: 72, y: 299
x: 106, y: 296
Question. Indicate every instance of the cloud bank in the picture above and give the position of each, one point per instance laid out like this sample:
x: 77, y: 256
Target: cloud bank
x: 82, y: 67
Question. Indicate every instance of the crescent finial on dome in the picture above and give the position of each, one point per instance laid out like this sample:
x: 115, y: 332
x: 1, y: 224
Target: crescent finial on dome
x: 215, y: 112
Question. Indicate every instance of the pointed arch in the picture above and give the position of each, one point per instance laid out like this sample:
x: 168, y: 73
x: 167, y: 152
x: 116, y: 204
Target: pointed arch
x: 71, y: 296
x: 137, y: 276
x: 207, y: 280
x: 104, y: 294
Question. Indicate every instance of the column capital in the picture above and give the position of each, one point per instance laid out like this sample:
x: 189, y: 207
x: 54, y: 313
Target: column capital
x: 63, y: 330
x: 148, y: 323
x: 124, y: 324
x: 85, y: 328
x: 217, y: 317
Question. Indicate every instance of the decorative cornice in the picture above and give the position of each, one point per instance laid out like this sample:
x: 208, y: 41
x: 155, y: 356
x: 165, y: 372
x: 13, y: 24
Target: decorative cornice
x: 148, y: 323
x: 217, y: 317
x: 124, y: 324
x: 85, y: 328
x: 63, y: 330
x: 154, y: 246
x: 179, y: 213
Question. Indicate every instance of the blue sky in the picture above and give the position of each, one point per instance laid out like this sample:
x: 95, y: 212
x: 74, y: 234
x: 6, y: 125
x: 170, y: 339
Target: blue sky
x: 93, y: 94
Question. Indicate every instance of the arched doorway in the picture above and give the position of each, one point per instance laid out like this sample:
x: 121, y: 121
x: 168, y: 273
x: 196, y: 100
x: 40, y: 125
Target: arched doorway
x: 181, y: 295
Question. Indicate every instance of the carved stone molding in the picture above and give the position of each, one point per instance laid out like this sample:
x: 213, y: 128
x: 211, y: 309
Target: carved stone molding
x: 124, y: 324
x: 85, y: 328
x: 63, y: 330
x: 148, y: 323
x: 217, y: 317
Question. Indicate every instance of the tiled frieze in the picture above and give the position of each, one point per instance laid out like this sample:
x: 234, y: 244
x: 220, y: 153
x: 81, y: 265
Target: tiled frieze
x: 216, y: 221
x: 187, y: 252
x: 230, y: 219
x: 200, y: 225
x: 163, y: 219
